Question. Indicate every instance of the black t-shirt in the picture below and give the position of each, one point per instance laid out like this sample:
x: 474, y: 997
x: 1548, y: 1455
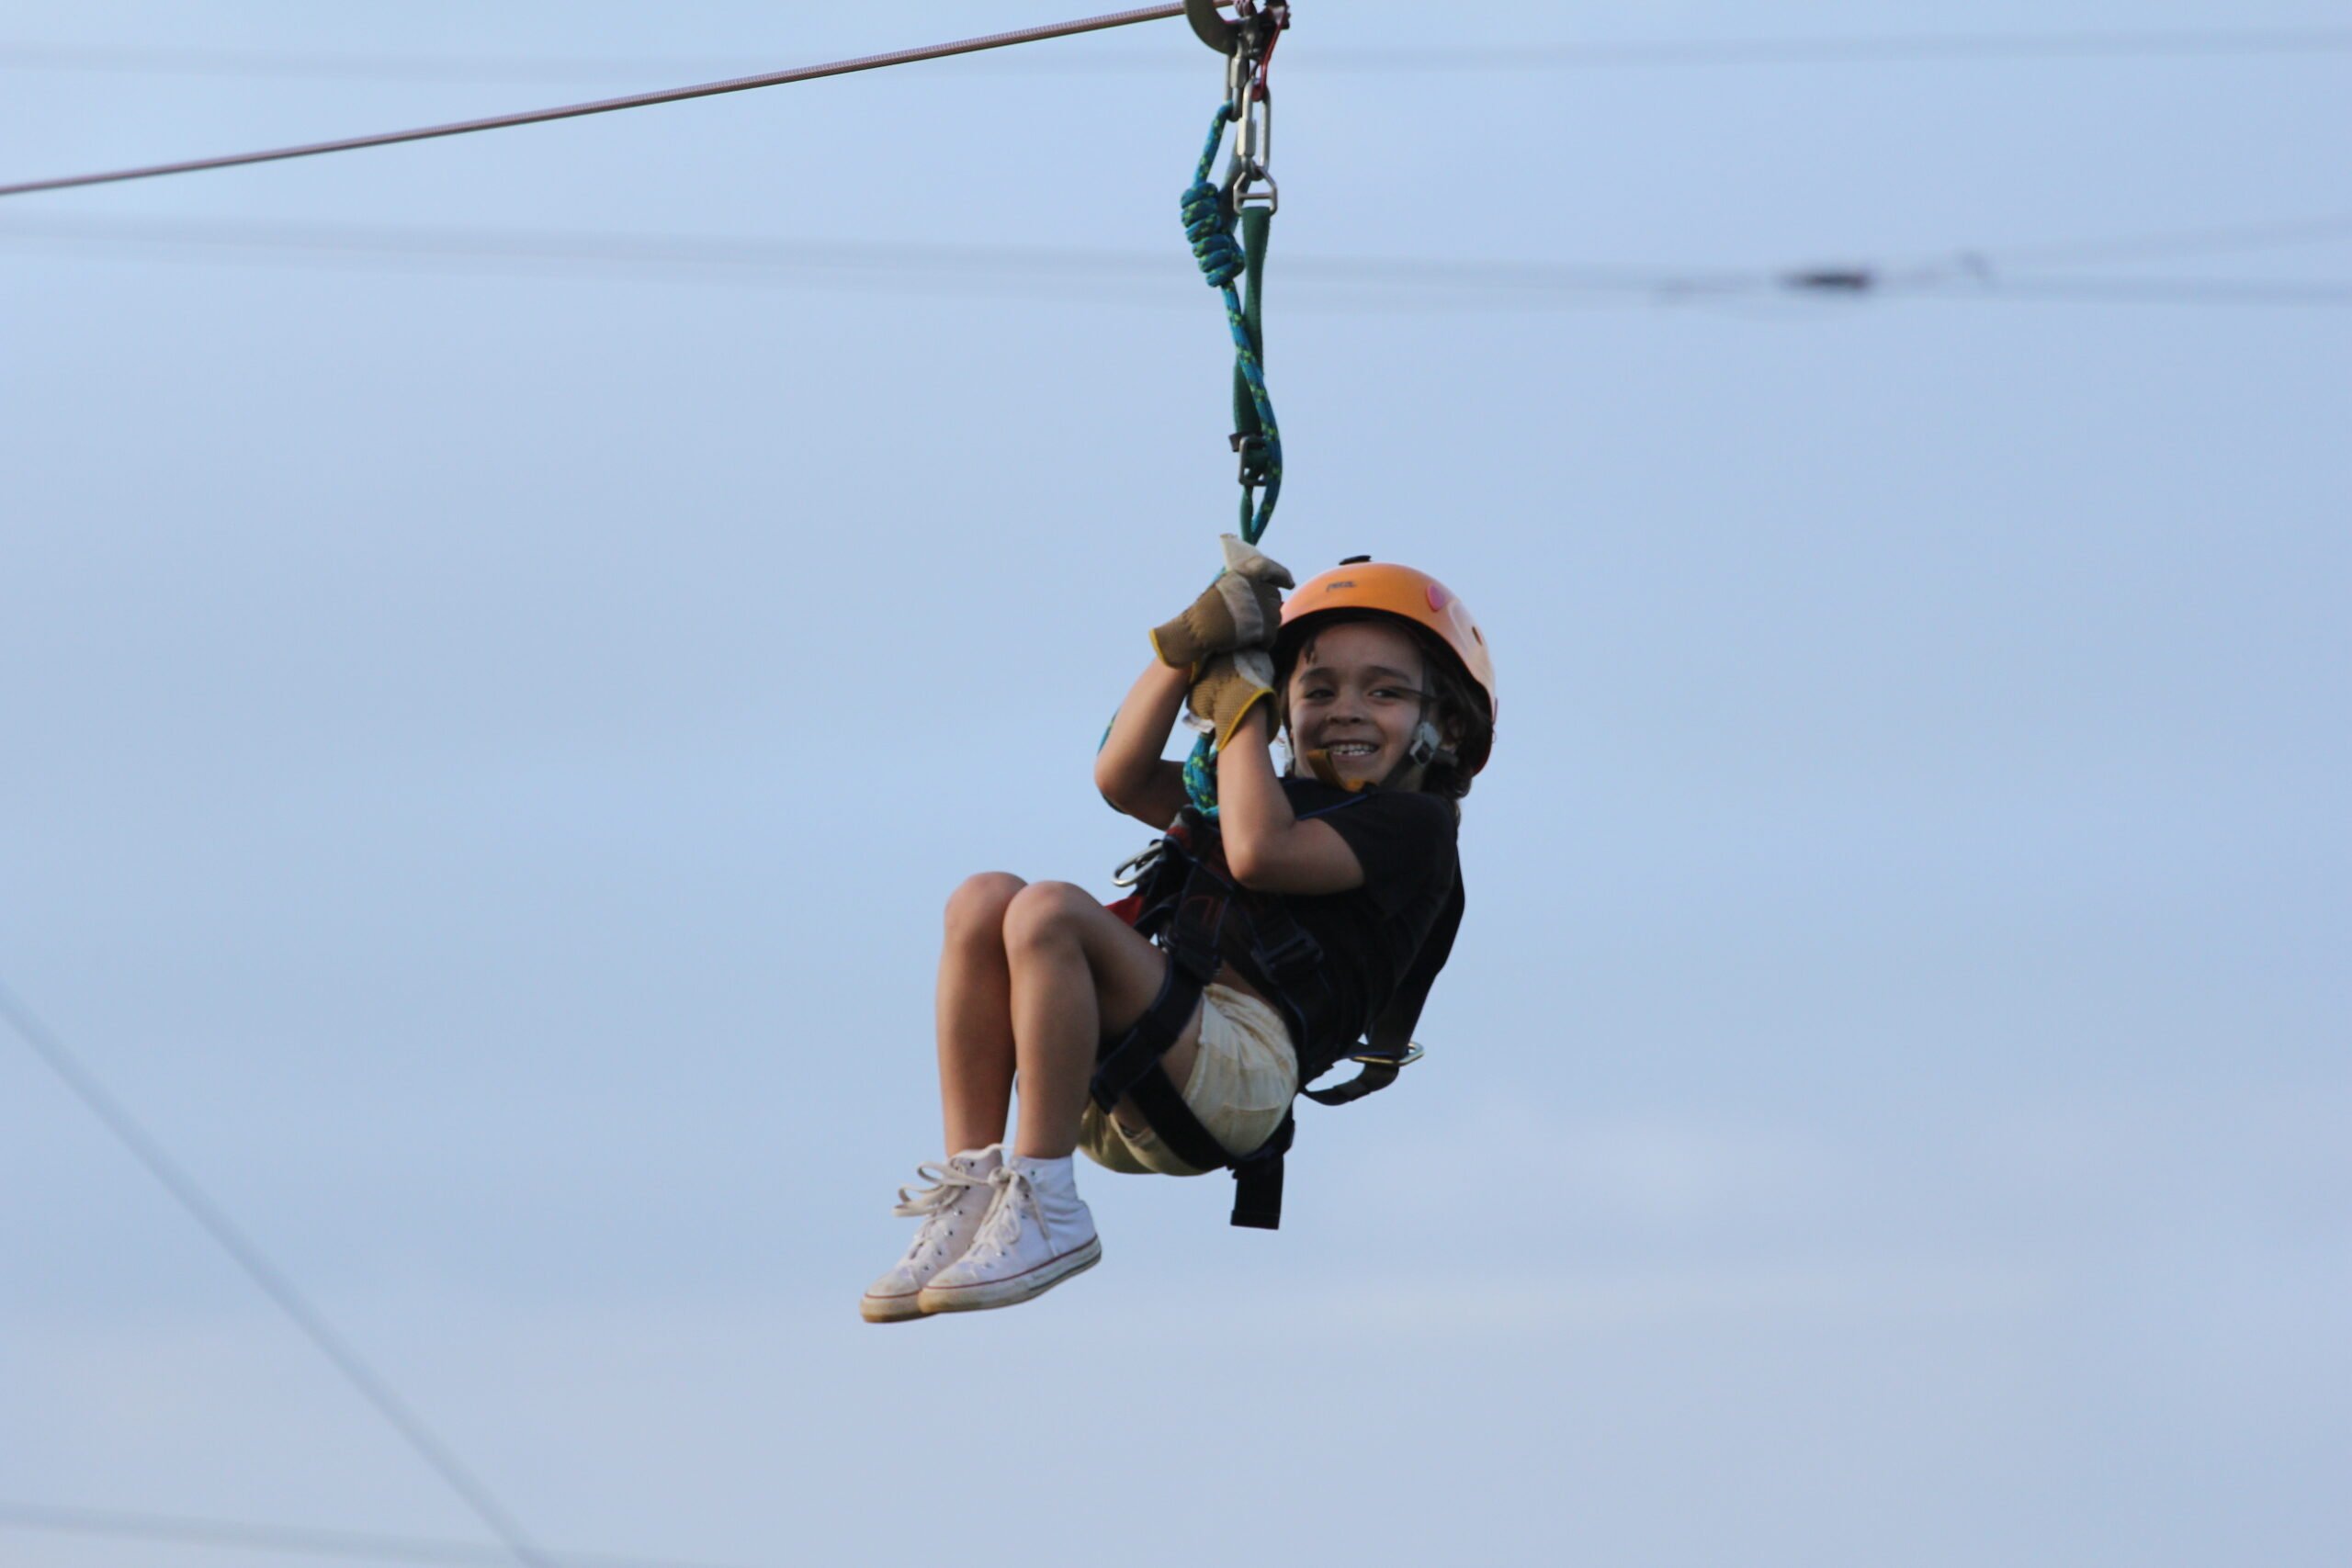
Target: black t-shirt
x: 1405, y: 841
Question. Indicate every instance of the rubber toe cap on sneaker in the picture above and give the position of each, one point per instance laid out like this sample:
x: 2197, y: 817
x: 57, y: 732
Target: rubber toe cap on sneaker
x: 905, y: 1307
x: 893, y: 1298
x: 957, y: 1288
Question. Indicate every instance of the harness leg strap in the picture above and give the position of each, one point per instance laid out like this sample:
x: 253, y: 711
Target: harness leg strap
x: 1164, y: 1110
x: 1124, y: 1062
x: 1182, y: 905
x: 1132, y: 1068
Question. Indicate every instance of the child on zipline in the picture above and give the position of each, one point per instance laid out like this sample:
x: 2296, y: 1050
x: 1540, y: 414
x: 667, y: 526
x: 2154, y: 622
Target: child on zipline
x: 1384, y: 687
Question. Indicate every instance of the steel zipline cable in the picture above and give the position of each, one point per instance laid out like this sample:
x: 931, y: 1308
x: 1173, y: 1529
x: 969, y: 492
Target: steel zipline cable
x: 273, y: 1282
x: 2232, y: 43
x: 609, y: 105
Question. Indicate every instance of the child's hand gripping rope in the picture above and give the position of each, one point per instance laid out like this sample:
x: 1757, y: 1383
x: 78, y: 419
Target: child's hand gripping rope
x: 1243, y: 608
x: 1228, y: 686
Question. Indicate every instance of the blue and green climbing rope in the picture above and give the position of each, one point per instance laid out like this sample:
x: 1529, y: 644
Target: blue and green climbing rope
x: 1209, y: 223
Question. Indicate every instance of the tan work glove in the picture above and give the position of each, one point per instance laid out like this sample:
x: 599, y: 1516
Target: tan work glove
x: 1243, y: 608
x: 1228, y: 686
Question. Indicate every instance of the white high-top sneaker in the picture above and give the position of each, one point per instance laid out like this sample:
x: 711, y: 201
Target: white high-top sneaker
x: 951, y: 1211
x: 1038, y: 1233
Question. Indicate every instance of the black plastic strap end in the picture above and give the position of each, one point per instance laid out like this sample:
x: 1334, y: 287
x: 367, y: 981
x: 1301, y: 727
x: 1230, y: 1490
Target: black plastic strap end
x: 1258, y: 1194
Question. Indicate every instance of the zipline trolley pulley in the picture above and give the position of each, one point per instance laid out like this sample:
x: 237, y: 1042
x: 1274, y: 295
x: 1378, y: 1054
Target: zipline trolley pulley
x: 1248, y: 44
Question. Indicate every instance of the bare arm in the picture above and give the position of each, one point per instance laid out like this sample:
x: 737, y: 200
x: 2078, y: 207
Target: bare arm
x: 1267, y: 848
x: 1129, y: 770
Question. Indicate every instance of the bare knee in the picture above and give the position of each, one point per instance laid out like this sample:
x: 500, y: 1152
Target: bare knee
x: 1046, y: 913
x: 975, y: 910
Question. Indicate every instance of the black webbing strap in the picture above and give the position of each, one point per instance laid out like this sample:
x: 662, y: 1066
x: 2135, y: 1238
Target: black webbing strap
x: 1122, y: 1066
x: 1376, y: 1076
x: 1258, y: 1181
x: 1164, y: 1110
x: 1184, y: 905
x: 1132, y: 1068
x: 1392, y: 1032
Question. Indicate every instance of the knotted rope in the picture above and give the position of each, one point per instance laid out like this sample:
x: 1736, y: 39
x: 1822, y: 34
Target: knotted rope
x: 1209, y: 224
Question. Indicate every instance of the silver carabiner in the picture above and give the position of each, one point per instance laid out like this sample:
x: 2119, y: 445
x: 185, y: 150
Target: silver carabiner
x: 1138, y: 867
x: 1253, y: 150
x: 1254, y: 142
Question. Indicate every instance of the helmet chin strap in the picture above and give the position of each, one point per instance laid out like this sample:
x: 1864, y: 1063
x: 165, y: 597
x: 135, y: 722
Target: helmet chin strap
x: 1427, y: 746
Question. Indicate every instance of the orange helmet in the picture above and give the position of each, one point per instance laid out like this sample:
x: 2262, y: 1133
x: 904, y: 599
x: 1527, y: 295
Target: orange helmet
x: 1360, y: 585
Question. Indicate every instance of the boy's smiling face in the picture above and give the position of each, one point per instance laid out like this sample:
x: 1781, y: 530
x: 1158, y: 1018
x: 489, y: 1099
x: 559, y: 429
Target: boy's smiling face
x: 1355, y: 694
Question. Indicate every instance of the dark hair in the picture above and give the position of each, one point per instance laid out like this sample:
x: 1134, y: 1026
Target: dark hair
x: 1459, y: 710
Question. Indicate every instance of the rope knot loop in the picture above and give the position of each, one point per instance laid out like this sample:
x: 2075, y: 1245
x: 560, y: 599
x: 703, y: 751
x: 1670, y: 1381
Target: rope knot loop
x: 1209, y: 224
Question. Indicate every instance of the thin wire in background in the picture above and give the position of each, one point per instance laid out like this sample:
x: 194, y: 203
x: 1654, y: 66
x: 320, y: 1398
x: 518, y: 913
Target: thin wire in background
x: 1960, y: 48
x: 1331, y: 283
x: 2174, y: 244
x: 1023, y: 269
x: 273, y: 1281
x: 305, y: 1540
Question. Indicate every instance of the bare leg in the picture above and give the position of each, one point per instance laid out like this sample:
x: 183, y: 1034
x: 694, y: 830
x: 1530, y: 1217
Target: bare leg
x: 976, y: 1056
x: 1077, y: 972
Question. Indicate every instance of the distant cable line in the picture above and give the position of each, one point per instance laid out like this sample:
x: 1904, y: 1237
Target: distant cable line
x: 2022, y: 272
x: 609, y: 105
x: 1852, y: 50
x: 1333, y: 282
x: 1028, y: 266
x: 1815, y: 51
x: 2149, y: 291
x: 297, y: 1539
x: 2174, y: 243
x: 272, y: 1280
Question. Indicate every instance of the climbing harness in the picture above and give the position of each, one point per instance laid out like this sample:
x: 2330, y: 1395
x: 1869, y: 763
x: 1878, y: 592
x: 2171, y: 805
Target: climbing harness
x: 1246, y: 198
x: 1183, y: 895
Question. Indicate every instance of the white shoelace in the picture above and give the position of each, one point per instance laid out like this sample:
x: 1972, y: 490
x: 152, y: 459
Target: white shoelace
x: 945, y: 1180
x: 1001, y: 1231
x: 935, y: 1204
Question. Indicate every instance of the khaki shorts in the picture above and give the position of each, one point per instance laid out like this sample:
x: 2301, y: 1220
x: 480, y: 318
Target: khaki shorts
x: 1243, y: 1078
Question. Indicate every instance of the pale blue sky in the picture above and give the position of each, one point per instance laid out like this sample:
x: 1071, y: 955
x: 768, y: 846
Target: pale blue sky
x: 485, y: 747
